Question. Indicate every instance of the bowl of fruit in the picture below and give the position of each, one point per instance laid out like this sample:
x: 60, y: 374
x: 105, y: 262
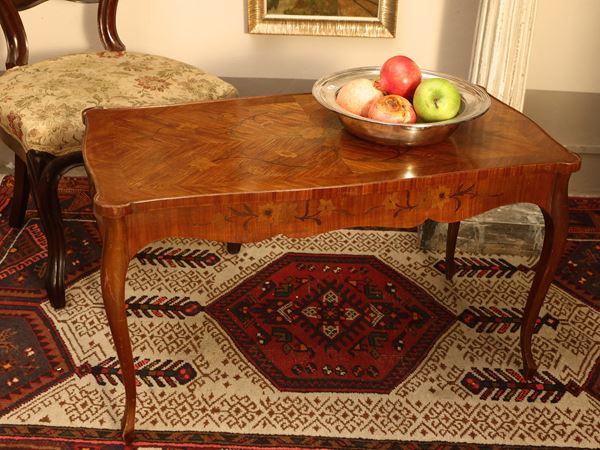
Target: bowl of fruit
x: 399, y: 103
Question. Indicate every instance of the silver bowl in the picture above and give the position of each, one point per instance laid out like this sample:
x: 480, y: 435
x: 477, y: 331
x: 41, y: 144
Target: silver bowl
x: 475, y: 101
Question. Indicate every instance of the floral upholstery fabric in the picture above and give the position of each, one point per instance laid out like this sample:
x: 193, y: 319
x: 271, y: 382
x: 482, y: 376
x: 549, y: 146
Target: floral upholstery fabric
x: 41, y: 104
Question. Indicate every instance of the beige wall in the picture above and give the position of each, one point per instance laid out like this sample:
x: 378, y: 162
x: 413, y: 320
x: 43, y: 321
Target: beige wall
x: 437, y: 34
x: 565, y: 54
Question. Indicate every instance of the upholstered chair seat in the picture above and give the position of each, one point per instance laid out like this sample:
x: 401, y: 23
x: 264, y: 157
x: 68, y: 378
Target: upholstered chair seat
x: 41, y: 103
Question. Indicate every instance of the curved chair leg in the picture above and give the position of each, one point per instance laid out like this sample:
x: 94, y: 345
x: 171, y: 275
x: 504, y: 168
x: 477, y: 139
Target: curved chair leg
x: 20, y: 197
x: 450, y: 249
x: 46, y: 178
x: 36, y: 162
x: 233, y: 248
x: 556, y: 220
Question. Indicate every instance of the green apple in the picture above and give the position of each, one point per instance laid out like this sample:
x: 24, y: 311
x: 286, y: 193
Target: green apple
x: 436, y: 99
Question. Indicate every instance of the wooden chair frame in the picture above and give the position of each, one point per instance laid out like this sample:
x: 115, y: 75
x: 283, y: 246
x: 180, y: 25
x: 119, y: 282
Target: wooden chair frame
x: 38, y: 172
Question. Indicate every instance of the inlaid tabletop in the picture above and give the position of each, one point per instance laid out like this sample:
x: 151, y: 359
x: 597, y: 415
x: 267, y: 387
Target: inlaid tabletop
x: 286, y: 144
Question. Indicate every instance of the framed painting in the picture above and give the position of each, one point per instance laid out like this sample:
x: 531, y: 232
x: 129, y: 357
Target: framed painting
x: 358, y: 18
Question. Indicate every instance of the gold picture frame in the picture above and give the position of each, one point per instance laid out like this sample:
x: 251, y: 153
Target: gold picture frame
x: 264, y: 18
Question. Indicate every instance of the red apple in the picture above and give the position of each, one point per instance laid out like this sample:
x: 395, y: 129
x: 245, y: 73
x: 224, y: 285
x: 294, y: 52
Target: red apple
x: 357, y: 95
x: 399, y: 75
x: 392, y: 109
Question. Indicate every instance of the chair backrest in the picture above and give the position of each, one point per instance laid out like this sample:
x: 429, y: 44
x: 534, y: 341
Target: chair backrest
x: 17, y: 53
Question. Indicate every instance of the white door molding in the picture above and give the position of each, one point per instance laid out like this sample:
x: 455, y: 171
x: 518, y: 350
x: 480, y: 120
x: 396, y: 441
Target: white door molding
x: 502, y: 46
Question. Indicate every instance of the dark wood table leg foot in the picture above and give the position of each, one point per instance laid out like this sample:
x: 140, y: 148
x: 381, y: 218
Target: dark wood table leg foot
x: 556, y: 219
x: 451, y: 248
x: 233, y: 248
x: 113, y: 273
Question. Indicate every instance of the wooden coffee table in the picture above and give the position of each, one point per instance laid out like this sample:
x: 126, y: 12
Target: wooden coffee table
x: 246, y: 169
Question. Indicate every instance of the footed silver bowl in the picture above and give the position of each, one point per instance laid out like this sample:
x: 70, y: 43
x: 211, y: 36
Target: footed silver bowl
x: 475, y: 101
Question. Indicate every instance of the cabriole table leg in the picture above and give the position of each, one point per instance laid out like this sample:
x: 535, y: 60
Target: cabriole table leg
x: 115, y: 259
x: 556, y: 218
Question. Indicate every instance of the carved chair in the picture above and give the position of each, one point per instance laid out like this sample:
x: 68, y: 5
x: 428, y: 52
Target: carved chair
x: 41, y: 106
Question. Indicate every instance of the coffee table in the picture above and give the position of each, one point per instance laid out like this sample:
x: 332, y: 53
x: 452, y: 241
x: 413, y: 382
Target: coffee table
x: 246, y: 169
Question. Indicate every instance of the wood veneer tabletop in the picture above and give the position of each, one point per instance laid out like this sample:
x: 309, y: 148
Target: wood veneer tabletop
x: 285, y: 147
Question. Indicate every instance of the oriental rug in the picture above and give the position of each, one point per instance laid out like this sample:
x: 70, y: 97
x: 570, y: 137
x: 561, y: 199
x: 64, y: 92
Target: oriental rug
x: 350, y: 339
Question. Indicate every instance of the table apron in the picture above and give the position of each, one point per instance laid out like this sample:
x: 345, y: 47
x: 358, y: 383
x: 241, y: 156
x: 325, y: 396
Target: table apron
x: 448, y: 200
